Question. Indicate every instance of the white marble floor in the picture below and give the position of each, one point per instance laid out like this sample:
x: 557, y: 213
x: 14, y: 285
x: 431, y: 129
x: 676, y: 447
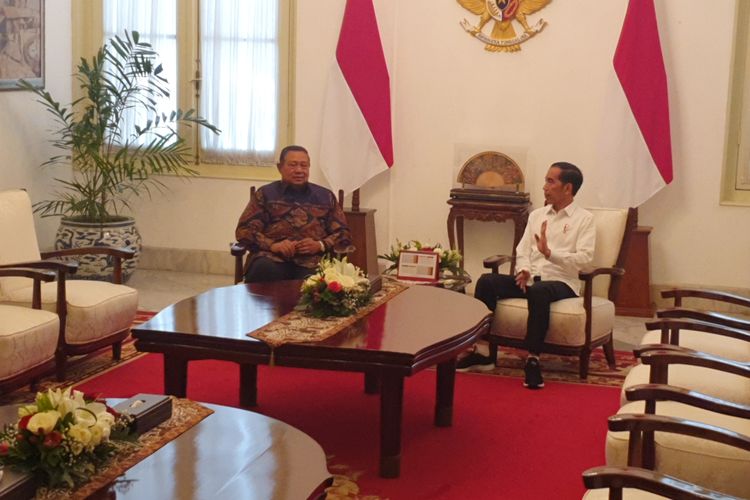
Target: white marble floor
x: 158, y: 289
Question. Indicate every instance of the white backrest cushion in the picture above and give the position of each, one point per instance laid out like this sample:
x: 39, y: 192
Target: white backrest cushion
x: 18, y: 241
x: 610, y: 229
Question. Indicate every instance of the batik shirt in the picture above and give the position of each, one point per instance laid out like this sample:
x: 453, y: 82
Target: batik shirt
x: 279, y: 211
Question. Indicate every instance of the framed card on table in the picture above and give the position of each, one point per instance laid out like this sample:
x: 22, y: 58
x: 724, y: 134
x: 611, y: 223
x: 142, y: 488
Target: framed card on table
x: 418, y: 266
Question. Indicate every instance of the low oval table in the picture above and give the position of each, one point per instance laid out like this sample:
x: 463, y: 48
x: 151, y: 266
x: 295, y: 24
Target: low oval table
x: 230, y: 454
x: 420, y: 327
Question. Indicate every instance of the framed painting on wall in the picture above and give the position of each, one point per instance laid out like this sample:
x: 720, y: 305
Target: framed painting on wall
x: 21, y: 43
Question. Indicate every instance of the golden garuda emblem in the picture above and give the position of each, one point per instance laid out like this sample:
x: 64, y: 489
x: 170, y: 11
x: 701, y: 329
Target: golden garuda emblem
x: 503, y: 37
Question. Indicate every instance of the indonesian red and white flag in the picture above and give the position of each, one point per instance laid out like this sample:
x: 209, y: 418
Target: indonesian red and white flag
x: 357, y: 141
x: 635, y: 150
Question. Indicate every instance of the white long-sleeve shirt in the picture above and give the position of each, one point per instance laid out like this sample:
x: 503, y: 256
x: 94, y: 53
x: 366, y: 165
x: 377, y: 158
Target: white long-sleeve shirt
x: 571, y: 236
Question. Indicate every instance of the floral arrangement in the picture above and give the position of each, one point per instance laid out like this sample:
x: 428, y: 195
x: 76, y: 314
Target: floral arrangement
x: 450, y: 260
x: 64, y: 437
x: 338, y: 288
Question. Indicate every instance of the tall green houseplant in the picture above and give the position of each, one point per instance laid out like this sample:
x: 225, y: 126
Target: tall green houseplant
x: 113, y: 165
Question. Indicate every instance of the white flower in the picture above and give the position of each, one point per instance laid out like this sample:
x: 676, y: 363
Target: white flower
x: 43, y: 422
x: 80, y: 434
x: 27, y: 410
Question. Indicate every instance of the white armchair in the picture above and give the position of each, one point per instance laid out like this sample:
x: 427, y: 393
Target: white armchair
x: 28, y: 336
x: 93, y: 314
x: 715, y: 466
x: 577, y: 325
x: 643, y: 477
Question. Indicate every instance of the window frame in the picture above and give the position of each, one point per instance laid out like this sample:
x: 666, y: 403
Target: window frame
x: 88, y: 35
x: 731, y: 193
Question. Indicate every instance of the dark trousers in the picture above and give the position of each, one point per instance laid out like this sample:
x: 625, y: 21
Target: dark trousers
x: 539, y: 295
x: 265, y: 269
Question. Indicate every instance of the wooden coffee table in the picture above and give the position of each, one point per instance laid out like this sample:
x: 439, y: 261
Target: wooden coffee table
x: 230, y: 454
x: 420, y: 327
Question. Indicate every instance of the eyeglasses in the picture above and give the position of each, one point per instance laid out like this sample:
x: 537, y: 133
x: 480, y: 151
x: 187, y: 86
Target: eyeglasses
x: 294, y: 165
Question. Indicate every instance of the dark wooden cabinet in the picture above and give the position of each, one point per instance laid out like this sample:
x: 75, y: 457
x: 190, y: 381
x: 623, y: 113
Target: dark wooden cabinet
x: 634, y: 298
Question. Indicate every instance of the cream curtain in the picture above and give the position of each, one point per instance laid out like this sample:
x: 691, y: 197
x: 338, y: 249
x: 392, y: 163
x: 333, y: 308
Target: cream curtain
x: 239, y: 51
x: 240, y: 88
x: 154, y: 20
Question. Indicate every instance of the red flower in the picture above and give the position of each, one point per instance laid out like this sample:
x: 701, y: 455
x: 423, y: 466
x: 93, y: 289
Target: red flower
x: 334, y: 286
x: 4, y: 447
x: 53, y: 439
x: 24, y: 422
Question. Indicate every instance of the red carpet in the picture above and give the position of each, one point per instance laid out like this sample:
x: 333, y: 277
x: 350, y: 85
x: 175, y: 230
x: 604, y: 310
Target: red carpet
x: 506, y: 442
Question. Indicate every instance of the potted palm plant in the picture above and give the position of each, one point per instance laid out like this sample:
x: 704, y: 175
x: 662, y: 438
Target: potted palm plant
x: 113, y: 165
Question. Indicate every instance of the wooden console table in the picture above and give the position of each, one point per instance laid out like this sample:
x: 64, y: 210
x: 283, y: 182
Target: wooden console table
x: 485, y: 211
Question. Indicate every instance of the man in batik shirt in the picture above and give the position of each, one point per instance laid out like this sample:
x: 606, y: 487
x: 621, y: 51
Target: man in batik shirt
x: 290, y: 224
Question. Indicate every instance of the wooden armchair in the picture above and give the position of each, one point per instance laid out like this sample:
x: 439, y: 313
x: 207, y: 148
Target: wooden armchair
x: 725, y: 377
x: 28, y: 336
x: 621, y: 481
x: 241, y: 253
x: 93, y: 314
x: 731, y: 342
x: 713, y: 466
x: 577, y: 325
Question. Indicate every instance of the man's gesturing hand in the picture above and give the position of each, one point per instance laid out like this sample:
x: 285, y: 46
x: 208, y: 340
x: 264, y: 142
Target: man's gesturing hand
x: 541, y: 241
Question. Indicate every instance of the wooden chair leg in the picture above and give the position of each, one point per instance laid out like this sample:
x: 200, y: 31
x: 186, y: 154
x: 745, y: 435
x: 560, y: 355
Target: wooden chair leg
x: 117, y: 351
x: 61, y: 360
x: 493, y: 351
x: 609, y: 353
x: 583, y: 361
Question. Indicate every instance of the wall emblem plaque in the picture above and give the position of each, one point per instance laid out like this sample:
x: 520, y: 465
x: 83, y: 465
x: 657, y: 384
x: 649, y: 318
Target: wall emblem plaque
x: 503, y: 37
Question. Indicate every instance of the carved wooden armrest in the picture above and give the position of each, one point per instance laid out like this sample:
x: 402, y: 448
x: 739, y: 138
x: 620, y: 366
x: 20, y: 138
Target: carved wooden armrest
x: 707, y: 316
x: 679, y: 293
x: 28, y: 273
x: 670, y: 329
x: 646, y: 480
x: 638, y: 351
x: 664, y: 392
x: 494, y: 262
x: 37, y: 276
x: 58, y: 265
x: 121, y: 252
x: 661, y: 359
x: 589, y: 274
x: 238, y: 249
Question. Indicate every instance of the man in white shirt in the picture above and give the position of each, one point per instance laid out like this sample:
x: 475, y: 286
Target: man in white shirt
x: 558, y: 242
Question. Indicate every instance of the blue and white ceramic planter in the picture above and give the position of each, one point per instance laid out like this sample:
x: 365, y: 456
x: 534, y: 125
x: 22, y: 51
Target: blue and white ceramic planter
x: 75, y: 234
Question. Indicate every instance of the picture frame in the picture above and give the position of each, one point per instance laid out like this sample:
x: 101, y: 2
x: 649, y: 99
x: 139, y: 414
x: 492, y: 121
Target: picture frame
x: 21, y: 43
x: 420, y: 266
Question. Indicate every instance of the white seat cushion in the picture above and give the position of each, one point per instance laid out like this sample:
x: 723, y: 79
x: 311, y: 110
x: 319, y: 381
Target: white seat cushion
x: 96, y: 309
x: 706, y: 463
x: 715, y: 383
x: 28, y: 338
x: 567, y: 320
x: 725, y: 347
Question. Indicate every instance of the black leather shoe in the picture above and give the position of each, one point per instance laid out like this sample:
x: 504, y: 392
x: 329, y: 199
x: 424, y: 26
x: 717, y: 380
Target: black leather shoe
x: 475, y: 362
x: 533, y: 371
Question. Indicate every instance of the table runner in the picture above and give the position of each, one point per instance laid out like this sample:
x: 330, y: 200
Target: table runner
x: 297, y: 326
x: 185, y: 414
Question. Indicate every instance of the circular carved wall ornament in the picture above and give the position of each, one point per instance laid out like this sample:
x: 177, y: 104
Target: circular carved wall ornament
x: 492, y: 170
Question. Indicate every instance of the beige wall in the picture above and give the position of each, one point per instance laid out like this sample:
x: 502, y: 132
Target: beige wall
x: 451, y: 99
